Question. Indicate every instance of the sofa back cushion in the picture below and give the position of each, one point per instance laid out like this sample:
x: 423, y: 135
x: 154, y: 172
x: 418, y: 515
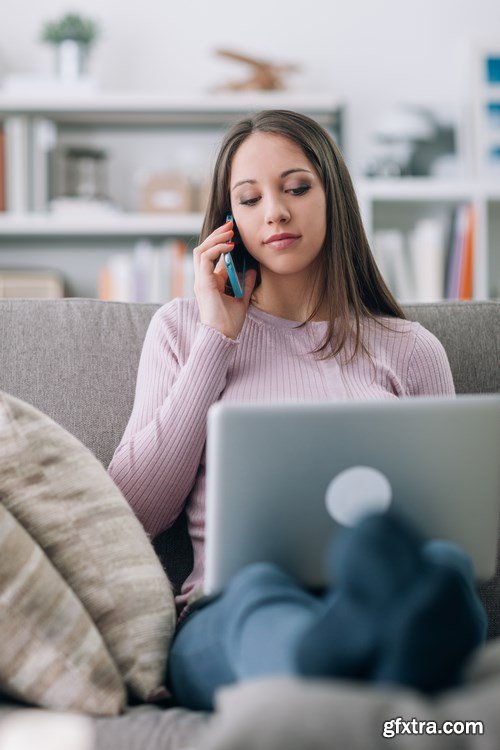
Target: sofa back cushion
x: 76, y: 359
x: 470, y: 334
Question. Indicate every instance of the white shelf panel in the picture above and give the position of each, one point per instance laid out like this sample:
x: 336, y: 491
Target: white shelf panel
x: 139, y: 100
x: 40, y: 225
x: 417, y: 189
x: 144, y: 107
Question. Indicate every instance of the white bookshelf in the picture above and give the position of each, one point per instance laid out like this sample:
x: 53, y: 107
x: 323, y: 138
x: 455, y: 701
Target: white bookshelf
x: 383, y: 203
x: 126, y: 124
x: 400, y: 203
x: 83, y: 241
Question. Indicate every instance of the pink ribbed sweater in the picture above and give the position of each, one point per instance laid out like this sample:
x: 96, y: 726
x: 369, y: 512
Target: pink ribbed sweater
x: 186, y: 366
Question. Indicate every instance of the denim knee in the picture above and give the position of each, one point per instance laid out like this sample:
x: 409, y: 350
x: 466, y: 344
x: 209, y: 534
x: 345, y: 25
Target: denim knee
x: 258, y: 584
x: 258, y: 576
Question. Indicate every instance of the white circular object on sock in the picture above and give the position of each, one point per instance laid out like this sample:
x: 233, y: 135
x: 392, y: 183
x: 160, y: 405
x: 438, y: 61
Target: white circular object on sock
x: 357, y: 492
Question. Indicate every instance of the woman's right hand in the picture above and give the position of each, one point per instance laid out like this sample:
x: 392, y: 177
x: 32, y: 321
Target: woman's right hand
x: 218, y: 310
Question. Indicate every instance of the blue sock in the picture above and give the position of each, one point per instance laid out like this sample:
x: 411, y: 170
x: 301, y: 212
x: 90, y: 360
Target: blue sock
x: 405, y: 611
x: 451, y: 555
x: 371, y: 564
x: 429, y: 633
x: 436, y: 626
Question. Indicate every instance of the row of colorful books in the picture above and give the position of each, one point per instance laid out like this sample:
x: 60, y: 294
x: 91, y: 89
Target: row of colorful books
x: 148, y: 273
x: 434, y: 261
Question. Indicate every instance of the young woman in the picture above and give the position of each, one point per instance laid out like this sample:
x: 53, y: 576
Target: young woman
x: 316, y: 322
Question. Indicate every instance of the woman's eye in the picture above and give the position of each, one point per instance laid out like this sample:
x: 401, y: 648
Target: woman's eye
x: 295, y: 191
x: 299, y: 190
x: 249, y: 202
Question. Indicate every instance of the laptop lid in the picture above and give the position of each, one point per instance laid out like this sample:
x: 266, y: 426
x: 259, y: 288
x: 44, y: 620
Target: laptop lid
x: 283, y: 477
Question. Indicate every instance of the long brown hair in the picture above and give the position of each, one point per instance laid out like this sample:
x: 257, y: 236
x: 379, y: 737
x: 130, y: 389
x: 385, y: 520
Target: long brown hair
x: 349, y: 283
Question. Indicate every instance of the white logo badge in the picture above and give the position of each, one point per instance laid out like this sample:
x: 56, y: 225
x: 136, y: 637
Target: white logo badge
x: 357, y: 492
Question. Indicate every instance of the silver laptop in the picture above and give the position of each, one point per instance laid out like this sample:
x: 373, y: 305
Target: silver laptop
x: 283, y: 478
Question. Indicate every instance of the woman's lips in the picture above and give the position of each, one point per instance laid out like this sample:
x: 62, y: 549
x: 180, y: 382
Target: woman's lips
x: 281, y: 244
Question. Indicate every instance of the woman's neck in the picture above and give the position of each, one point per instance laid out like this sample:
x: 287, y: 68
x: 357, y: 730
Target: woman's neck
x: 285, y: 309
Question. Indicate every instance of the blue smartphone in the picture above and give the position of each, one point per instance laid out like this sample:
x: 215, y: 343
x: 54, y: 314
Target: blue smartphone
x: 235, y: 263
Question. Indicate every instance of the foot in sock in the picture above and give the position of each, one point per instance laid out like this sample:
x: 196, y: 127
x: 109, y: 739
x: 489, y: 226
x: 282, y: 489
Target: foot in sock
x: 376, y: 559
x: 429, y: 632
x: 371, y: 564
x: 400, y: 613
x: 452, y: 556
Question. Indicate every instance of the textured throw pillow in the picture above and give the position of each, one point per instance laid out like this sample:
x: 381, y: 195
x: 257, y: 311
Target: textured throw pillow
x: 51, y: 653
x: 64, y: 498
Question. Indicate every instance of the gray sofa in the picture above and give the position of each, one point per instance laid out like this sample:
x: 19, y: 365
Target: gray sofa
x: 76, y: 360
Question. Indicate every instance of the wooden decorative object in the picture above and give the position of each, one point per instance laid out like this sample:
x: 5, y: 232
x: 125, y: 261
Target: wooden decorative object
x: 265, y: 76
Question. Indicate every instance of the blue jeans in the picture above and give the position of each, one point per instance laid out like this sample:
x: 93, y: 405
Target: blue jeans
x: 254, y: 628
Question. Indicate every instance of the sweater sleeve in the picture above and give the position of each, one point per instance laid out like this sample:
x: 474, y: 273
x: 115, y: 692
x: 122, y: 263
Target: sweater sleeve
x: 156, y: 463
x: 429, y: 372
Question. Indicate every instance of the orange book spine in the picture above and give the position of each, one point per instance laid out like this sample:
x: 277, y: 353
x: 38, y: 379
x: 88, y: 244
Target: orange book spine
x: 467, y: 266
x: 104, y: 284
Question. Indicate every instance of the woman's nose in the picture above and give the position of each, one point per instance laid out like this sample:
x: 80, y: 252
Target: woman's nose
x: 276, y: 211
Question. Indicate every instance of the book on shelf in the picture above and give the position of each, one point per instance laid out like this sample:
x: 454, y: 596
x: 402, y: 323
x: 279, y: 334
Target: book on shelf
x: 427, y: 257
x: 43, y: 135
x: 29, y: 147
x: 393, y: 262
x: 148, y: 273
x: 467, y: 257
x: 431, y: 262
x: 459, y: 281
x: 16, y: 134
x: 31, y: 284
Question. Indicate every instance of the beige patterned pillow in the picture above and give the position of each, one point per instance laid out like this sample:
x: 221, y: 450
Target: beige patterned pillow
x: 62, y: 495
x: 51, y: 654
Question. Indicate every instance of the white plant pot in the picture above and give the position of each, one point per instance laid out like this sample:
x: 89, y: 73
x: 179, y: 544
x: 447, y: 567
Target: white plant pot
x: 71, y: 59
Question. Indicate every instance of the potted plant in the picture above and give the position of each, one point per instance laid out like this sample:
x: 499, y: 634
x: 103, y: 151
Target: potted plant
x: 72, y: 35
